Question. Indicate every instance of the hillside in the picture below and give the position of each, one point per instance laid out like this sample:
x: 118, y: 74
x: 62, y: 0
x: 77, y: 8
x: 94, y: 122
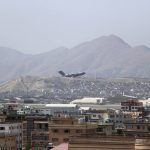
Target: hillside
x: 107, y: 56
x: 59, y: 88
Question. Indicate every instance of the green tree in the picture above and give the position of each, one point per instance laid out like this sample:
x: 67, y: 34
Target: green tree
x: 27, y: 147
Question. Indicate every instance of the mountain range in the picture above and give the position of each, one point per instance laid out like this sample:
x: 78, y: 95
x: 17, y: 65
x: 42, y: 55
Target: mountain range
x: 107, y: 56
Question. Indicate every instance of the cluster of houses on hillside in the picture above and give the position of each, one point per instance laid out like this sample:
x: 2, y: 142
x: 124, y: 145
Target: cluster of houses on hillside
x: 66, y: 89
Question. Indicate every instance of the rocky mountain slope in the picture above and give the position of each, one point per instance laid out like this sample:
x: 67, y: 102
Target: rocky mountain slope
x: 107, y: 56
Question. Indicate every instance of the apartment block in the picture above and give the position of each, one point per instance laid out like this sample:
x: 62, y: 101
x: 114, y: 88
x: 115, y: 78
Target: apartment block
x: 61, y: 129
x: 35, y: 131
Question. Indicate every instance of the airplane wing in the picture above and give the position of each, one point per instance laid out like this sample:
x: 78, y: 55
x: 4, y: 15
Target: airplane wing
x: 62, y: 73
x: 71, y: 75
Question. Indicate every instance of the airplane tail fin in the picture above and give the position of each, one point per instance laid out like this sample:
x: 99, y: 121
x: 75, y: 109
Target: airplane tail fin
x: 62, y: 73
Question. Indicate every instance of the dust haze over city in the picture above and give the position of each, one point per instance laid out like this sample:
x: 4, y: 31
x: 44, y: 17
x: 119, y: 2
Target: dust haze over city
x: 74, y: 73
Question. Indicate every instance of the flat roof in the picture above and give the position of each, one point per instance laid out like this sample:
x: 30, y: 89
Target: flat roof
x: 61, y: 105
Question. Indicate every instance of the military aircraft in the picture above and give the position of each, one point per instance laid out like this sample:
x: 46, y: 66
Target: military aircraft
x: 71, y: 75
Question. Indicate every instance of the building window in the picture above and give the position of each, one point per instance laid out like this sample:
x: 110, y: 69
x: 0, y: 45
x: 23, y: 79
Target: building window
x: 99, y: 129
x: 66, y: 140
x: 46, y: 126
x: 40, y: 126
x: 148, y: 128
x: 2, y: 128
x: 138, y: 127
x: 66, y: 131
x: 78, y: 131
x: 111, y: 116
x: 54, y: 139
x: 55, y: 130
x: 129, y: 127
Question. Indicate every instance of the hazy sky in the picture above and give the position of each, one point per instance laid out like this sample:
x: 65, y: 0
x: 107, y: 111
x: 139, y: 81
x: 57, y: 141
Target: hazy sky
x: 34, y: 26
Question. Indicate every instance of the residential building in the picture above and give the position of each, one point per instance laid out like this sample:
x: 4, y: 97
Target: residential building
x: 115, y: 117
x: 30, y: 125
x: 40, y: 135
x: 60, y: 129
x: 131, y: 105
x: 12, y: 129
x: 8, y: 141
x: 97, y: 142
x: 137, y: 129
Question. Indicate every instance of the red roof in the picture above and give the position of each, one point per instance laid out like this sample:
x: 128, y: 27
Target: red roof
x: 63, y: 146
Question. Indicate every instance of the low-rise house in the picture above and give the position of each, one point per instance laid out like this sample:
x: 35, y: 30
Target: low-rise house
x: 98, y: 142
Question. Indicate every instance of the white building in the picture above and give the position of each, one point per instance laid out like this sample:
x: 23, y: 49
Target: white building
x: 51, y: 109
x: 146, y: 103
x: 116, y: 117
x: 45, y: 111
x: 62, y: 108
x: 88, y: 101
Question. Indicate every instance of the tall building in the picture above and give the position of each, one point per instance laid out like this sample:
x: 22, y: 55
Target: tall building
x: 40, y: 135
x: 34, y: 130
